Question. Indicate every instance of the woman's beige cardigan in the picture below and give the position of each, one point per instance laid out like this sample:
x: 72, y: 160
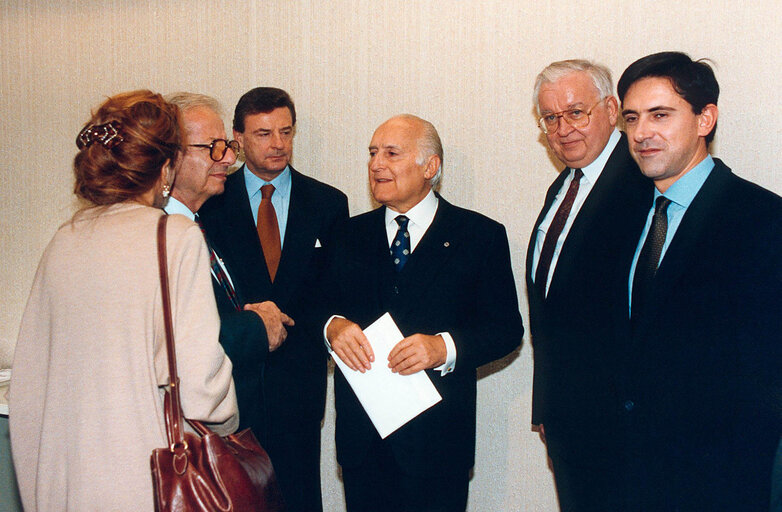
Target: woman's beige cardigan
x: 85, y: 405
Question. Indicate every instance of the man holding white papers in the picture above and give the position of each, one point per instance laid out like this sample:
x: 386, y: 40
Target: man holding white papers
x: 444, y: 275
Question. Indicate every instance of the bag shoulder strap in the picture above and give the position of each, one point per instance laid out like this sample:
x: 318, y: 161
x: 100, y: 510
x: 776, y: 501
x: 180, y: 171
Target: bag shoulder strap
x: 172, y: 404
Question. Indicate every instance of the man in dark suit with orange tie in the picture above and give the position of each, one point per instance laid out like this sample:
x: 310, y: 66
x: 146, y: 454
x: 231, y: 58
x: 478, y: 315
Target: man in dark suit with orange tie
x: 444, y: 275
x: 574, y: 277
x: 271, y: 226
x: 700, y: 380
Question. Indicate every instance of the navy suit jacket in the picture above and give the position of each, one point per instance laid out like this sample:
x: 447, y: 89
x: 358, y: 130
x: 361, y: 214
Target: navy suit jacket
x: 458, y: 280
x: 575, y: 354
x: 294, y: 379
x: 244, y: 339
x: 701, y: 378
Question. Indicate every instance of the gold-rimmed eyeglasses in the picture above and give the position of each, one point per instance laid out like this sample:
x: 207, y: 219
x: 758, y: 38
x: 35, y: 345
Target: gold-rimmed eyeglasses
x: 218, y: 148
x: 575, y: 117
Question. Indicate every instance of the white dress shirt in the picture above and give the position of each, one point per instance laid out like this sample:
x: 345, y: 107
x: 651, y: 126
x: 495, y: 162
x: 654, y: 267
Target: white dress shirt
x: 421, y: 217
x: 591, y: 174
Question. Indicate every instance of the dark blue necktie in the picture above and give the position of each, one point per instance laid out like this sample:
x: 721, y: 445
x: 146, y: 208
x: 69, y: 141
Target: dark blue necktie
x: 400, y: 247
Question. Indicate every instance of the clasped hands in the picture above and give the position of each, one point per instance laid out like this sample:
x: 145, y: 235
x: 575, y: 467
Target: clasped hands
x: 274, y: 320
x: 411, y: 355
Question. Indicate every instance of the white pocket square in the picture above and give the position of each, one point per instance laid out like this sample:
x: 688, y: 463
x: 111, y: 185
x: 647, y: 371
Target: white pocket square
x: 317, y: 243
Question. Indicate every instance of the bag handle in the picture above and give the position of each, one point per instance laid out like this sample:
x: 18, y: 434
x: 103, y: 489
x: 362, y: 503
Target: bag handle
x: 172, y: 403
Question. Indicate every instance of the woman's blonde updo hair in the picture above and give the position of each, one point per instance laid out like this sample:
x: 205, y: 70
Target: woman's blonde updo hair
x: 124, y: 146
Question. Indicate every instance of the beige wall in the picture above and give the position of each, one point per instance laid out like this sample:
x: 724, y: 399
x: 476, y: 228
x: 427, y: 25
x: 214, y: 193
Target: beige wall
x: 466, y: 66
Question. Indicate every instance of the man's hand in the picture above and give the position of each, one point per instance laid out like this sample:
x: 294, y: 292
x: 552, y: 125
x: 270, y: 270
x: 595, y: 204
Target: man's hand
x: 274, y: 320
x: 542, y: 433
x: 417, y: 352
x: 349, y: 343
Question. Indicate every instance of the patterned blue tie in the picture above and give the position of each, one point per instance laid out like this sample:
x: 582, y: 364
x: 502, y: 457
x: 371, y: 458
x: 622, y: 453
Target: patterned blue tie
x: 400, y: 247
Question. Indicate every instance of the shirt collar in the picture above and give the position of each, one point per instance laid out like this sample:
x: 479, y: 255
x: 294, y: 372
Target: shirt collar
x: 421, y: 214
x: 593, y: 170
x: 176, y: 206
x: 684, y: 190
x: 282, y: 182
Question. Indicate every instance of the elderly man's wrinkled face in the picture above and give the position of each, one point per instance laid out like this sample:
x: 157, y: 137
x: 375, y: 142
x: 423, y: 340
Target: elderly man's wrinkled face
x: 396, y: 177
x: 577, y: 147
x: 198, y: 176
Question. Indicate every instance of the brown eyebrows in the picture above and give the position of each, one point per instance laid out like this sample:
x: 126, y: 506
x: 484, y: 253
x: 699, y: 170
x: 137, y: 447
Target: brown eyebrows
x: 264, y: 131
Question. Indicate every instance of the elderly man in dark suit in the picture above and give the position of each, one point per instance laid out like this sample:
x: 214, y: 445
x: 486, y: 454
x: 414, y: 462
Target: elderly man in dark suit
x: 248, y: 332
x: 271, y: 227
x: 444, y: 275
x: 701, y: 379
x: 593, y: 208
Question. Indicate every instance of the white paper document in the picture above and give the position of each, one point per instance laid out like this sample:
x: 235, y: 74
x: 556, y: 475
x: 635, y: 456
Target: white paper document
x: 390, y: 399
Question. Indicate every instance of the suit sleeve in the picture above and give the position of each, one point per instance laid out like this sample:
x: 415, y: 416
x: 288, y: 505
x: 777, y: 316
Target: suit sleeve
x: 207, y: 387
x: 494, y: 328
x: 243, y: 336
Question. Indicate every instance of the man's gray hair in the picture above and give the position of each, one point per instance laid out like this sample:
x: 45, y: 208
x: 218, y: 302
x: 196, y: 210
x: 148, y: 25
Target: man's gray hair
x: 190, y: 100
x: 429, y: 144
x: 600, y: 75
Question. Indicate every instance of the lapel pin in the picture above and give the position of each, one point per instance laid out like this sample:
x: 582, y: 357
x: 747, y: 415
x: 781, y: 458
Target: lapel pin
x: 447, y: 244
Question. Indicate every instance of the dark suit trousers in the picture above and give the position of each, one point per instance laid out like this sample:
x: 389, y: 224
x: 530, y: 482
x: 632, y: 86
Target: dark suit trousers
x: 295, y: 455
x: 380, y: 485
x: 587, y: 489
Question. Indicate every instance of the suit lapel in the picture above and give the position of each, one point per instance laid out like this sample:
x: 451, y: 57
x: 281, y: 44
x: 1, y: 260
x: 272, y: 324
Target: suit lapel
x: 583, y: 225
x: 300, y: 236
x: 551, y: 194
x: 695, y: 225
x: 432, y: 253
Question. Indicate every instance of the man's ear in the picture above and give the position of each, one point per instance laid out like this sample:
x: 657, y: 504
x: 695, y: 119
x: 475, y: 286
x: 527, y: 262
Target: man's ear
x: 432, y: 165
x: 707, y: 119
x: 613, y: 109
x: 239, y: 137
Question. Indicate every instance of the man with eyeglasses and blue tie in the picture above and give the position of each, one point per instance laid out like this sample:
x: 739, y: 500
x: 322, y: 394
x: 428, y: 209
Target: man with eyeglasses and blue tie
x: 702, y: 383
x: 574, y: 280
x: 272, y: 227
x: 248, y: 332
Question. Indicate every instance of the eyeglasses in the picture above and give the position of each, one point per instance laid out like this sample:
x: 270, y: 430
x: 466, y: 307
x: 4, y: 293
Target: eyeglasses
x: 218, y: 148
x: 575, y: 117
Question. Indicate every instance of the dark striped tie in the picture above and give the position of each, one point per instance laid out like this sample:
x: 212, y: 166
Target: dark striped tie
x: 649, y: 259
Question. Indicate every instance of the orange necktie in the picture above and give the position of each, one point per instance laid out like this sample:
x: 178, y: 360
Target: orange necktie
x: 269, y: 231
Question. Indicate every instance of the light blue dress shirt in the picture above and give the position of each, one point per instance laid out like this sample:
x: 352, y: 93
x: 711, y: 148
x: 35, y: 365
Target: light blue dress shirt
x: 174, y: 206
x: 681, y: 194
x: 281, y: 198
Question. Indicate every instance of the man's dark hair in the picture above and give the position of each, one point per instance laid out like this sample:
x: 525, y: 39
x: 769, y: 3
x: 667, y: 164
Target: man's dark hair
x: 694, y: 81
x: 261, y: 100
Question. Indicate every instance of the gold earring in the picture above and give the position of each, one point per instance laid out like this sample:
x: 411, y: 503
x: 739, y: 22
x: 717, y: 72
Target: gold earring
x: 166, y: 190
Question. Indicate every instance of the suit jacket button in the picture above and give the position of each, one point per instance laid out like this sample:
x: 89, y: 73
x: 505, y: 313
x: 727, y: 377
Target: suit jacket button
x: 629, y: 405
x: 396, y: 289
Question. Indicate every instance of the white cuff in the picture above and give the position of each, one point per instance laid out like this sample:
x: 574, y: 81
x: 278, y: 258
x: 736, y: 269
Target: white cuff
x: 325, y: 328
x: 450, y: 354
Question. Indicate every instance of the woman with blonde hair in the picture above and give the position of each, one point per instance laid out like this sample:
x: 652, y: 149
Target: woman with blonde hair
x: 90, y: 369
